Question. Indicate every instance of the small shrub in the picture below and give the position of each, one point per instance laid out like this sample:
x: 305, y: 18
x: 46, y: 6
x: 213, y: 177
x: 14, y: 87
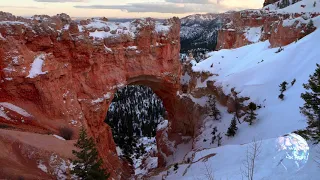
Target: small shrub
x: 283, y: 86
x: 281, y: 96
x: 279, y: 50
x: 175, y: 167
x: 66, y: 133
x: 4, y: 126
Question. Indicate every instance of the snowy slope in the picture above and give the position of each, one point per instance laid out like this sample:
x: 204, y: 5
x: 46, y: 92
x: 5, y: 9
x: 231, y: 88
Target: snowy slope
x: 304, y: 6
x: 255, y: 71
x: 280, y: 158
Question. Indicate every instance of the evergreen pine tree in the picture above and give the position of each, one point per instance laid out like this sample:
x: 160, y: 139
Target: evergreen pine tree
x: 88, y: 164
x: 214, y: 137
x: 251, y: 116
x: 311, y: 107
x: 219, y: 139
x: 283, y: 86
x: 213, y: 110
x: 233, y: 127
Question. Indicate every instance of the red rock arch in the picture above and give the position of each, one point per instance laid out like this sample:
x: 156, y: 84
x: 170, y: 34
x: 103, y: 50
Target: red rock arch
x: 80, y: 73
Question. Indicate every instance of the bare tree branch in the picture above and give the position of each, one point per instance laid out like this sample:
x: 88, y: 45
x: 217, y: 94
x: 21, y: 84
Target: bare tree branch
x: 248, y: 165
x: 209, y: 173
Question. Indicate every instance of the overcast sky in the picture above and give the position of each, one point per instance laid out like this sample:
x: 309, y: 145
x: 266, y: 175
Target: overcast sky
x: 125, y: 8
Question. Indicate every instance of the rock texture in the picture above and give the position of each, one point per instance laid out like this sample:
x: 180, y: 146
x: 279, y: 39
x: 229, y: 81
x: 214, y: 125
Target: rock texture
x: 31, y: 156
x: 64, y: 73
x: 270, y: 23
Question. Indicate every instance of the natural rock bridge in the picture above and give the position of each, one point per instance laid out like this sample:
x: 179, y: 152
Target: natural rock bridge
x: 65, y: 73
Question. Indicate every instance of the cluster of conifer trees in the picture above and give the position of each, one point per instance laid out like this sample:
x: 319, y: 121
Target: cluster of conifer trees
x: 134, y: 112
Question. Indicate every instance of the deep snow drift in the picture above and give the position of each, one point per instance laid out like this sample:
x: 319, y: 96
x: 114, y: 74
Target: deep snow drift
x: 256, y: 71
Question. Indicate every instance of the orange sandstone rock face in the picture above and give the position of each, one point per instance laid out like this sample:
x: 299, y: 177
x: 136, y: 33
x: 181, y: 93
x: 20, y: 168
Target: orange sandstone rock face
x: 250, y: 26
x: 31, y: 156
x: 64, y: 73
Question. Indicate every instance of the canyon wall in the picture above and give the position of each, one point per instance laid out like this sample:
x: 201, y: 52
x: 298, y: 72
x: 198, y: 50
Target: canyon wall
x: 250, y: 26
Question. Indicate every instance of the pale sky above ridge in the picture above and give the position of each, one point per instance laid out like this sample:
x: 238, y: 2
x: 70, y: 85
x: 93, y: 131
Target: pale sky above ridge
x: 125, y: 8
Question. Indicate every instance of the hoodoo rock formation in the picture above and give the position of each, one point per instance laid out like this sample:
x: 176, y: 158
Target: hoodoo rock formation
x: 56, y: 72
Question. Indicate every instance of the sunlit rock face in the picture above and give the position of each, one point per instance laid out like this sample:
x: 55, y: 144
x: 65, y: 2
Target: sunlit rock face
x: 64, y: 73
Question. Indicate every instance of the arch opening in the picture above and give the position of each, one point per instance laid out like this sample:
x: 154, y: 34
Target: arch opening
x: 133, y: 116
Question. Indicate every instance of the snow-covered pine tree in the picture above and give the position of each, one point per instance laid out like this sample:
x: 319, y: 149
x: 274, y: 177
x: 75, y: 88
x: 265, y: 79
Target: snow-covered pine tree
x: 213, y: 110
x: 88, y: 164
x: 311, y: 107
x: 251, y: 116
x: 232, y: 130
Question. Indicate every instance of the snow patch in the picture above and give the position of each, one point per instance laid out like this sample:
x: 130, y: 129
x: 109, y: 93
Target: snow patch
x: 162, y: 125
x: 15, y: 109
x: 42, y: 167
x: 3, y: 114
x: 185, y: 79
x: 100, y: 34
x: 99, y: 100
x: 12, y: 23
x: 59, y: 137
x: 1, y: 37
x: 160, y: 28
x: 107, y: 49
x: 119, y: 151
x: 132, y: 48
x: 36, y: 67
x: 253, y: 34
